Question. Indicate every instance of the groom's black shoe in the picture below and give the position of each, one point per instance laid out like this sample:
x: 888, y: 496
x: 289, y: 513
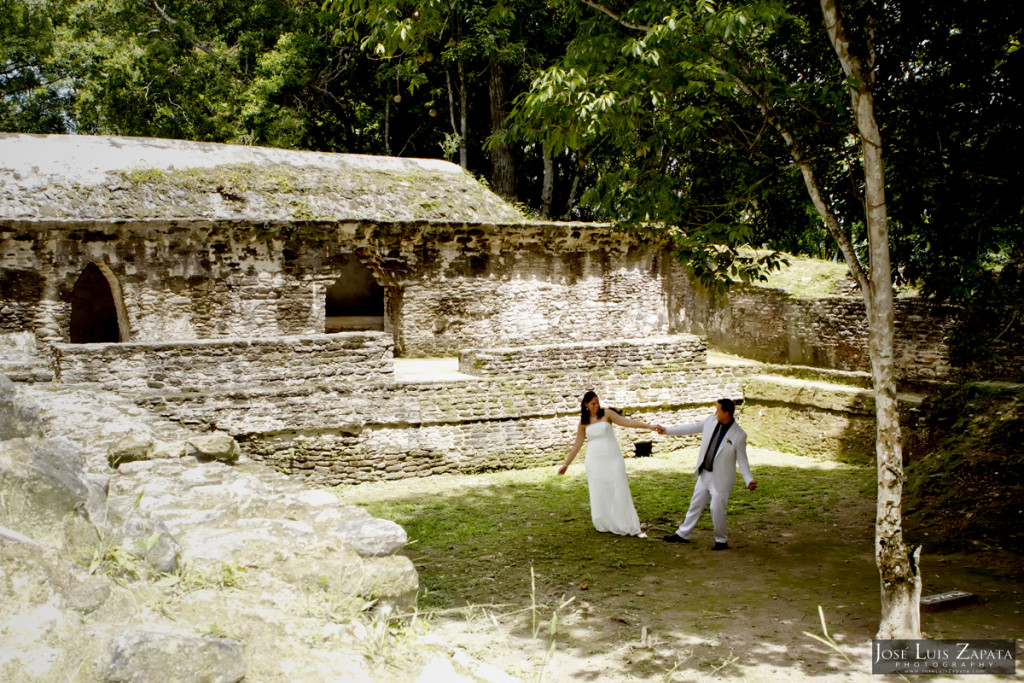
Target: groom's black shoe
x: 720, y: 546
x: 673, y: 538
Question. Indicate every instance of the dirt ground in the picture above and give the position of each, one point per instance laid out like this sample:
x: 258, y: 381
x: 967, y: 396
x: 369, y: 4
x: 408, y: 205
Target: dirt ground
x: 518, y: 586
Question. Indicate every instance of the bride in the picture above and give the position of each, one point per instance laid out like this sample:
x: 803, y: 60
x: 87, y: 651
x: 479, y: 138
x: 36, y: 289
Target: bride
x: 611, y: 503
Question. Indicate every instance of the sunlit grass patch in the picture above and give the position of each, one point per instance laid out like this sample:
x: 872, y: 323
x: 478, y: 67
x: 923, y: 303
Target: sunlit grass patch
x: 474, y: 539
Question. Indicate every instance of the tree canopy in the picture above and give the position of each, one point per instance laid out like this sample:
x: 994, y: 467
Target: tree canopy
x: 677, y: 106
x: 650, y: 111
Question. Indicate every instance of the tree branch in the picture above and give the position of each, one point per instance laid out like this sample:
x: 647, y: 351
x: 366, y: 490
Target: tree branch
x: 813, y: 189
x: 616, y: 16
x: 152, y: 5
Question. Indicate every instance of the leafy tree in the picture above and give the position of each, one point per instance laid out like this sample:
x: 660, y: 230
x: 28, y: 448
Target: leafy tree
x: 258, y: 73
x: 462, y: 53
x: 33, y: 96
x: 702, y: 117
x: 949, y: 95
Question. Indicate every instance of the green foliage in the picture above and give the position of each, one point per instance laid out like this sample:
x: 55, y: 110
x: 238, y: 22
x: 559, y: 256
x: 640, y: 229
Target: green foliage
x: 189, y: 577
x: 33, y: 97
x: 666, y: 103
x: 466, y: 59
x: 954, y: 135
x: 262, y: 73
x: 966, y: 473
x: 804, y: 277
x: 660, y: 118
x: 117, y: 562
x: 676, y: 106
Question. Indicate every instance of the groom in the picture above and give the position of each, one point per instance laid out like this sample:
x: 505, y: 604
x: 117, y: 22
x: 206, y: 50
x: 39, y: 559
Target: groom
x: 723, y: 445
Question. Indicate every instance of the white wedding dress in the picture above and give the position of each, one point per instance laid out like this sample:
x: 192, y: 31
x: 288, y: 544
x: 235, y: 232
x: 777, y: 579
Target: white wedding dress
x: 611, y: 503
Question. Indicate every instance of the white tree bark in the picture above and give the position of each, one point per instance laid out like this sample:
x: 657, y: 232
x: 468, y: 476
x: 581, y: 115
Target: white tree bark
x: 898, y: 567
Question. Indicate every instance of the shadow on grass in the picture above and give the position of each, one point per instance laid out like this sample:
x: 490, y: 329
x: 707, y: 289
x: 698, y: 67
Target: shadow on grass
x: 516, y: 552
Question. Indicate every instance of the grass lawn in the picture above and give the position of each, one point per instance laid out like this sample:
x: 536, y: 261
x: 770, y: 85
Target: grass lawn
x: 513, y: 574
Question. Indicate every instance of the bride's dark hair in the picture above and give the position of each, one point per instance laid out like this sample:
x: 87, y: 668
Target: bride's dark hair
x: 584, y: 412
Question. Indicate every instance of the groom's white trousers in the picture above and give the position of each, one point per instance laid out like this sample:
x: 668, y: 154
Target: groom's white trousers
x: 703, y: 491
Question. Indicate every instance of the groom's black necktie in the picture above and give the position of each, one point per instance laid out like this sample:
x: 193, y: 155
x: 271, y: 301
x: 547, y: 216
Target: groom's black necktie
x: 713, y: 444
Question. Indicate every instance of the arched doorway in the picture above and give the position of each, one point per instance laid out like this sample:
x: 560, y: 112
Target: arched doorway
x: 94, y: 307
x: 355, y: 301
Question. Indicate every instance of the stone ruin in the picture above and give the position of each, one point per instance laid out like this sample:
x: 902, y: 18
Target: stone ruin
x: 180, y: 315
x: 158, y: 298
x: 267, y: 294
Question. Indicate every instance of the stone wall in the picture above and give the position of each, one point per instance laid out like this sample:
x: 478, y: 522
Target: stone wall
x: 518, y: 285
x: 774, y: 327
x: 820, y: 418
x: 341, y: 433
x: 206, y: 364
x: 447, y: 285
x: 658, y: 352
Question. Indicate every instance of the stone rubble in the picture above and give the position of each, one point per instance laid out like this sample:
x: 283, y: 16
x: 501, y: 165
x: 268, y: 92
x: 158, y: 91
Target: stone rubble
x: 208, y: 561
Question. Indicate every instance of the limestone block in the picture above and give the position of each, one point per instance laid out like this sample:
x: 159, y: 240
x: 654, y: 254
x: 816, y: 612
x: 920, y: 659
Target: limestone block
x: 372, y: 537
x: 17, y: 419
x: 163, y: 450
x: 151, y: 540
x: 131, y: 447
x: 218, y: 446
x: 47, y: 495
x: 174, y: 658
x: 392, y: 581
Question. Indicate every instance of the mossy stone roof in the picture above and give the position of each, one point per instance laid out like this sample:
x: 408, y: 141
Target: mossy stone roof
x: 106, y: 178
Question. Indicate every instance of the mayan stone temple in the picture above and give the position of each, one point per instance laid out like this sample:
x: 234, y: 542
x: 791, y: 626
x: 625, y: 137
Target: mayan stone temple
x: 271, y: 294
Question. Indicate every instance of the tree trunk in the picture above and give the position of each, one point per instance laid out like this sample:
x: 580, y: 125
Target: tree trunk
x: 463, y: 120
x: 571, y: 201
x: 503, y: 167
x: 458, y: 129
x: 547, y: 194
x: 387, y: 126
x: 898, y: 568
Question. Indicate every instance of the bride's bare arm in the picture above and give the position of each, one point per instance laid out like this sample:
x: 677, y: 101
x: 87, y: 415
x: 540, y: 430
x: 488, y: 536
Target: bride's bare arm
x: 622, y: 421
x: 581, y: 434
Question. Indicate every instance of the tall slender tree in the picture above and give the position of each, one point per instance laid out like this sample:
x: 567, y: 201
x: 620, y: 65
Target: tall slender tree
x: 708, y: 108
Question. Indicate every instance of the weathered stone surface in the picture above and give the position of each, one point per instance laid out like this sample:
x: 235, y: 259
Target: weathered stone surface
x: 16, y: 419
x: 825, y: 396
x: 216, y: 363
x: 100, y: 177
x: 372, y: 537
x: 218, y: 445
x: 30, y: 611
x: 130, y: 447
x: 19, y: 359
x: 654, y: 352
x: 151, y: 540
x: 142, y: 656
x: 162, y: 450
x: 392, y: 582
x: 772, y: 326
x: 88, y: 593
x: 47, y: 495
x: 813, y: 417
x: 259, y: 561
